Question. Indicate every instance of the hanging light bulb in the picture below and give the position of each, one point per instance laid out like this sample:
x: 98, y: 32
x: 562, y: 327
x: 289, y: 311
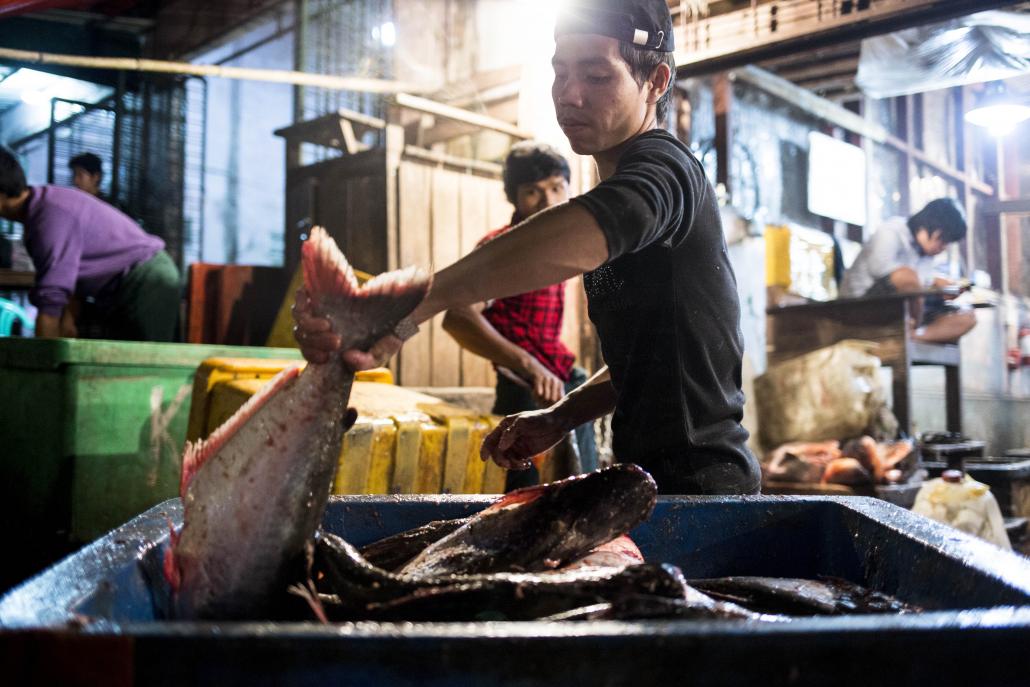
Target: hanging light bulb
x: 998, y: 112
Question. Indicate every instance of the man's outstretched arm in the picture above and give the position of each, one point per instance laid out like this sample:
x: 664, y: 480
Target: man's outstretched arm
x: 550, y: 247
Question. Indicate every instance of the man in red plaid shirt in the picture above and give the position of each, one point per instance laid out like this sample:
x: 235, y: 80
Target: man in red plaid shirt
x: 521, y: 334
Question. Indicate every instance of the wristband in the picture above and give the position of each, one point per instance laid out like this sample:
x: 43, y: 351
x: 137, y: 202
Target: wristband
x: 405, y: 329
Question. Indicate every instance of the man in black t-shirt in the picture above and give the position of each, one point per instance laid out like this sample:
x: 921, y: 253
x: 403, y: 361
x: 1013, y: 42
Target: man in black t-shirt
x: 648, y: 238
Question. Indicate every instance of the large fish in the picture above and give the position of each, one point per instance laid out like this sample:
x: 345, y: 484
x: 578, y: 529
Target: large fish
x: 356, y: 589
x: 393, y: 552
x: 254, y: 492
x: 828, y: 596
x: 544, y: 527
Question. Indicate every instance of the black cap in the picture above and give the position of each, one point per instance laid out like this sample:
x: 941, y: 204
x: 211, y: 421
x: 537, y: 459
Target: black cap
x: 646, y: 24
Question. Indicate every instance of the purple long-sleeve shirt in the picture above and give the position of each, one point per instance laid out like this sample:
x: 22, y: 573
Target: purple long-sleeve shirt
x: 79, y: 244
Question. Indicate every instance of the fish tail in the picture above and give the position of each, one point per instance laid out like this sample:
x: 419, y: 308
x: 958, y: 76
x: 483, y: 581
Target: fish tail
x: 362, y: 314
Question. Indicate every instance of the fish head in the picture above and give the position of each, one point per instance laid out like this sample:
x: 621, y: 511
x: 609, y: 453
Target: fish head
x: 570, y: 517
x: 607, y: 502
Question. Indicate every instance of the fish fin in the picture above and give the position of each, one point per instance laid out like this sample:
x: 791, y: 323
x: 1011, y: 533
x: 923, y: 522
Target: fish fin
x: 362, y: 314
x: 169, y: 566
x: 197, y: 452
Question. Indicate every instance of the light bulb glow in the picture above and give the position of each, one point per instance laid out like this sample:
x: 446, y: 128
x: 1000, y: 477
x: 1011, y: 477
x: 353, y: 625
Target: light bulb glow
x: 385, y: 34
x: 1000, y: 118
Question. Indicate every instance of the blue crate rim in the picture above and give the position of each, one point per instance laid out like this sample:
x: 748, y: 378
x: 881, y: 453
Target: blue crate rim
x: 61, y: 592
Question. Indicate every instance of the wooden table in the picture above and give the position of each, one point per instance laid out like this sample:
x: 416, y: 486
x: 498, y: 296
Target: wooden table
x: 793, y: 330
x: 16, y: 279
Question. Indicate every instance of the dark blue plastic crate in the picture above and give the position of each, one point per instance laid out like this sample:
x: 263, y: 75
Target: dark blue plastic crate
x: 94, y: 610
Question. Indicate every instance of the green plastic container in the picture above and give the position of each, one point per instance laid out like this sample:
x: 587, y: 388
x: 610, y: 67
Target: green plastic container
x: 91, y: 432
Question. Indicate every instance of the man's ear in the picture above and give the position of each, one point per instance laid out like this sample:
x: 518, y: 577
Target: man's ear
x: 660, y: 82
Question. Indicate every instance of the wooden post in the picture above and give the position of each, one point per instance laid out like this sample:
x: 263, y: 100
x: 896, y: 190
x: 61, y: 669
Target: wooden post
x: 723, y: 91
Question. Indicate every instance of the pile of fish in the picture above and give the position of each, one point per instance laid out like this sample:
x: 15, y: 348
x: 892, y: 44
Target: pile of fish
x: 858, y: 462
x: 255, y: 491
x: 554, y: 552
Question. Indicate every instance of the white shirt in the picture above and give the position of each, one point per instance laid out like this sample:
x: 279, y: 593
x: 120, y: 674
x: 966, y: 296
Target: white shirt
x: 891, y: 247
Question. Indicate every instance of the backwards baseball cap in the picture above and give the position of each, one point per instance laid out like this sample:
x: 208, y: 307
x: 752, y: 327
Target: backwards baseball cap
x: 646, y: 24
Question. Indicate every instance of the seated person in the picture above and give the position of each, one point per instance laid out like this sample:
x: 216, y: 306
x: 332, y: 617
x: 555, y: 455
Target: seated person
x: 898, y: 258
x: 83, y: 247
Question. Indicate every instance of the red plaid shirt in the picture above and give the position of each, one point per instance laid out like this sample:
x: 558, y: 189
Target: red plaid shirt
x: 532, y: 321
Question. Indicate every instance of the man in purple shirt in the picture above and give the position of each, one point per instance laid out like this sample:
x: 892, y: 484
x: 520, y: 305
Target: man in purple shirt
x: 85, y: 248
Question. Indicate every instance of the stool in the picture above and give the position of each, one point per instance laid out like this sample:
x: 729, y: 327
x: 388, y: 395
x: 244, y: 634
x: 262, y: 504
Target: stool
x: 10, y: 313
x: 796, y: 329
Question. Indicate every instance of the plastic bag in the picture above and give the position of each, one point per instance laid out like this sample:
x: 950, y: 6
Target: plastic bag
x: 980, y: 47
x: 830, y: 393
x: 966, y: 505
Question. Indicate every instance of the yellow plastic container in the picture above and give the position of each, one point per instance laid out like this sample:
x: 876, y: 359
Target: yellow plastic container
x: 799, y: 261
x: 403, y: 442
x: 215, y: 400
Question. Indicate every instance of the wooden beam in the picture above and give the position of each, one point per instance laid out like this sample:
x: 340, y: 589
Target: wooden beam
x: 810, y: 102
x: 942, y: 167
x: 457, y: 114
x: 488, y: 168
x: 833, y: 113
x: 446, y: 130
x: 1020, y: 206
x: 798, y: 59
x: 337, y: 83
x: 341, y: 129
x: 477, y: 84
x: 842, y: 82
x: 799, y: 73
x: 723, y: 94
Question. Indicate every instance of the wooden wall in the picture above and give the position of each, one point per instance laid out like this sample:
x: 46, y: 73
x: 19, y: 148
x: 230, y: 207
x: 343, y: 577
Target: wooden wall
x: 442, y: 214
x: 387, y: 212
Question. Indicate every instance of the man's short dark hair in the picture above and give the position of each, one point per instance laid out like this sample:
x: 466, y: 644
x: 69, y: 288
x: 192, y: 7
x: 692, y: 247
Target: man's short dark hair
x: 12, y: 176
x: 642, y: 64
x: 87, y: 162
x: 529, y: 162
x: 944, y: 215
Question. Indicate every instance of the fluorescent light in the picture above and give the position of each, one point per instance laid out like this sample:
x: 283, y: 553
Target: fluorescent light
x: 388, y: 34
x: 385, y: 34
x: 998, y: 111
x: 1000, y: 118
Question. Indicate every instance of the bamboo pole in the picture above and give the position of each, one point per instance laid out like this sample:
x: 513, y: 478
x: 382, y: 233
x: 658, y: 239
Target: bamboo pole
x: 339, y: 83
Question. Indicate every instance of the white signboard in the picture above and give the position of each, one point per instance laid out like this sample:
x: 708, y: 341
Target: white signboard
x: 836, y: 179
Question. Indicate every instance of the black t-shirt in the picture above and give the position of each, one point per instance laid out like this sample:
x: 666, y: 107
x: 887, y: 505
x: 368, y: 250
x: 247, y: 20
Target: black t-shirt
x: 666, y: 310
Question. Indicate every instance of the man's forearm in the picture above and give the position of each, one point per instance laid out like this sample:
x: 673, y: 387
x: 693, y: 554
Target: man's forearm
x: 550, y: 247
x: 596, y: 397
x: 474, y: 333
x: 47, y: 326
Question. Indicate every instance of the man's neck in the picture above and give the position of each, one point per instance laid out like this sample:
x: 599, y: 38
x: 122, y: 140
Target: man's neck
x: 16, y: 209
x: 608, y: 160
